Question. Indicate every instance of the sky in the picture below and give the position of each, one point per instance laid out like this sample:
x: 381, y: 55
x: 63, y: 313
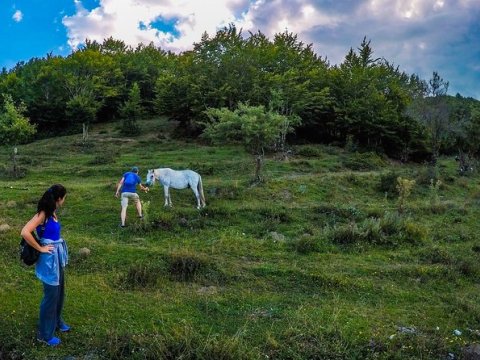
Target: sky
x: 418, y: 36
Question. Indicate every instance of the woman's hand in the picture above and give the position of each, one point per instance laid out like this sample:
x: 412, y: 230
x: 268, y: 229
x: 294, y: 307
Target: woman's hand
x: 47, y: 249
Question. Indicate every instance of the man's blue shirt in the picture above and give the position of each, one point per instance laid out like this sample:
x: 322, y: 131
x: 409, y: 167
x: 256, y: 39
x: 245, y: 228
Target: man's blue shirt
x: 130, y: 182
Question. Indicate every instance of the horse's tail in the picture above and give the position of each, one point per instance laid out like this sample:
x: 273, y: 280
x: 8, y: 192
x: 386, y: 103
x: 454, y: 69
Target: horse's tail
x: 200, y: 190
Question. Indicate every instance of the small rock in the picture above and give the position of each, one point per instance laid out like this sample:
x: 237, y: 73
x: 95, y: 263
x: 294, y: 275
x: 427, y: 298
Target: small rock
x: 277, y: 236
x: 207, y: 290
x: 84, y: 252
x: 406, y: 330
x: 471, y: 352
x: 4, y: 227
x: 457, y: 332
x: 213, y: 191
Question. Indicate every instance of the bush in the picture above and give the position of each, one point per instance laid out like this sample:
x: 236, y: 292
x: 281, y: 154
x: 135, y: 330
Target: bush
x: 425, y: 176
x: 308, y: 151
x: 388, y: 183
x: 363, y: 161
x: 346, y: 234
x: 391, y: 223
x: 414, y: 233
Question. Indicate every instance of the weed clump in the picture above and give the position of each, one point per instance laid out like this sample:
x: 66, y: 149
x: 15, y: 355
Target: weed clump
x: 182, y: 343
x: 186, y: 266
x: 305, y: 244
x: 390, y: 230
x: 436, y: 255
x: 140, y: 276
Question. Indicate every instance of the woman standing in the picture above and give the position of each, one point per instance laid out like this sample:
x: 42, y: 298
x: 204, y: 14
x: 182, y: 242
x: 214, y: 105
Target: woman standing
x: 52, y: 260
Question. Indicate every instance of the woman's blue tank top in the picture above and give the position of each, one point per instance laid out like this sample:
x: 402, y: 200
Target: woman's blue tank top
x: 51, y: 229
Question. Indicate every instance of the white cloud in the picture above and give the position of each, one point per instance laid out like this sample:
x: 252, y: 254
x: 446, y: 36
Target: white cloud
x: 122, y: 19
x: 17, y: 16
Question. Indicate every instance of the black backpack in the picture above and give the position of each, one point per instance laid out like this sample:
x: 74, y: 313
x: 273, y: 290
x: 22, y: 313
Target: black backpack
x: 28, y: 254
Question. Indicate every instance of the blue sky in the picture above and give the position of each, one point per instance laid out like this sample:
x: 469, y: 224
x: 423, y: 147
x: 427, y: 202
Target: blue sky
x: 419, y: 36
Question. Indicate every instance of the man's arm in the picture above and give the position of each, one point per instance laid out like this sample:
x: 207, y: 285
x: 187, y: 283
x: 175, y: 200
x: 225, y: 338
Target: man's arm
x: 119, y: 186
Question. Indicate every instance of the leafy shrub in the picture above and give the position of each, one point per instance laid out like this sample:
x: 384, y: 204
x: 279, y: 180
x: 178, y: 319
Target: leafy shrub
x: 388, y: 183
x: 404, y: 187
x: 371, y: 231
x: 391, y: 223
x: 363, y: 161
x: 414, y: 233
x: 308, y: 151
x: 345, y: 234
x: 426, y: 175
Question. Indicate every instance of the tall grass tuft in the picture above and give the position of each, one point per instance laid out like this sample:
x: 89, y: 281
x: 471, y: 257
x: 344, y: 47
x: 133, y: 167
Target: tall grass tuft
x: 140, y: 276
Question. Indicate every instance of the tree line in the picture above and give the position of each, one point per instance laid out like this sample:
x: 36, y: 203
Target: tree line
x: 365, y: 100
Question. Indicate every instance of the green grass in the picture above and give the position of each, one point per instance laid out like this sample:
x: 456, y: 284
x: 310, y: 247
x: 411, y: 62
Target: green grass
x: 314, y: 262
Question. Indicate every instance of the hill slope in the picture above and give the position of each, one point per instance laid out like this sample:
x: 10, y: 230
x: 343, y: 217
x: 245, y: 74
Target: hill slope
x: 315, y: 262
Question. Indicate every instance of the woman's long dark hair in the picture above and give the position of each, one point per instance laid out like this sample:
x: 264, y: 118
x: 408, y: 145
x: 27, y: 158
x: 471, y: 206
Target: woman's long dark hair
x: 48, y: 202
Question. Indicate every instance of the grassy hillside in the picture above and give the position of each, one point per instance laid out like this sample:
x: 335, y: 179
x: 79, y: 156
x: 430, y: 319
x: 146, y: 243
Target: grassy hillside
x: 316, y: 262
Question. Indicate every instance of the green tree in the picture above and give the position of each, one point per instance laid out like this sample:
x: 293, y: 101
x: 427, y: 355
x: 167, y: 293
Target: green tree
x: 432, y: 111
x: 14, y: 127
x: 82, y: 108
x: 252, y: 126
x: 131, y: 111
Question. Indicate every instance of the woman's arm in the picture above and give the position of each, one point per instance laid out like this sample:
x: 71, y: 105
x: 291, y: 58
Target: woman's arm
x: 30, y: 227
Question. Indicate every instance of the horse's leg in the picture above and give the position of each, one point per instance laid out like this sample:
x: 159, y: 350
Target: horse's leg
x: 169, y: 198
x: 197, y: 195
x: 165, y: 195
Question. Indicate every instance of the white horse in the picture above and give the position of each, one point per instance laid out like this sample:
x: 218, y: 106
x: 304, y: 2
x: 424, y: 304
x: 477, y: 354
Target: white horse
x: 177, y: 179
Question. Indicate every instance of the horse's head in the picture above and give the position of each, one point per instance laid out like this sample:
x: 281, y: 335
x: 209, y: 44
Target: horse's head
x: 150, y: 177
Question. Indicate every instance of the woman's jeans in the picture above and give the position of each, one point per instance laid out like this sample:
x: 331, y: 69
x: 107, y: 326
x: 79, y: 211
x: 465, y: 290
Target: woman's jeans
x: 51, y: 309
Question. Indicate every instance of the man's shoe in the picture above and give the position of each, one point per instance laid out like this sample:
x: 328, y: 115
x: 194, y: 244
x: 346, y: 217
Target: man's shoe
x: 54, y: 341
x: 64, y: 328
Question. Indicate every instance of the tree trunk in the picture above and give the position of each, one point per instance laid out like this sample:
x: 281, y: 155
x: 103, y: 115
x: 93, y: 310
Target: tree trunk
x: 14, y: 159
x: 84, y: 132
x: 258, y: 167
